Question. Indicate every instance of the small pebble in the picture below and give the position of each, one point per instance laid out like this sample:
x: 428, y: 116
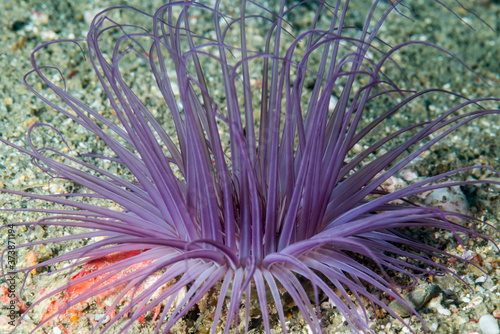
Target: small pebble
x: 433, y: 327
x: 417, y: 298
x: 409, y: 174
x: 423, y: 295
x: 98, y: 317
x: 481, y: 279
x: 333, y: 102
x: 476, y: 301
x: 435, y: 303
x: 488, y: 324
x: 400, y: 309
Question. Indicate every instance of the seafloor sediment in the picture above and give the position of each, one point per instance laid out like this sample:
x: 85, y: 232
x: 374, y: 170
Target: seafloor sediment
x: 27, y: 24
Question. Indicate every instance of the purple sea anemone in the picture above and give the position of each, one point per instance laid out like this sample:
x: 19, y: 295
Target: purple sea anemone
x: 262, y: 192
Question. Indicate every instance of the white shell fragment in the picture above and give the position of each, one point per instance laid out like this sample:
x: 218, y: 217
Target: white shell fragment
x: 488, y: 324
